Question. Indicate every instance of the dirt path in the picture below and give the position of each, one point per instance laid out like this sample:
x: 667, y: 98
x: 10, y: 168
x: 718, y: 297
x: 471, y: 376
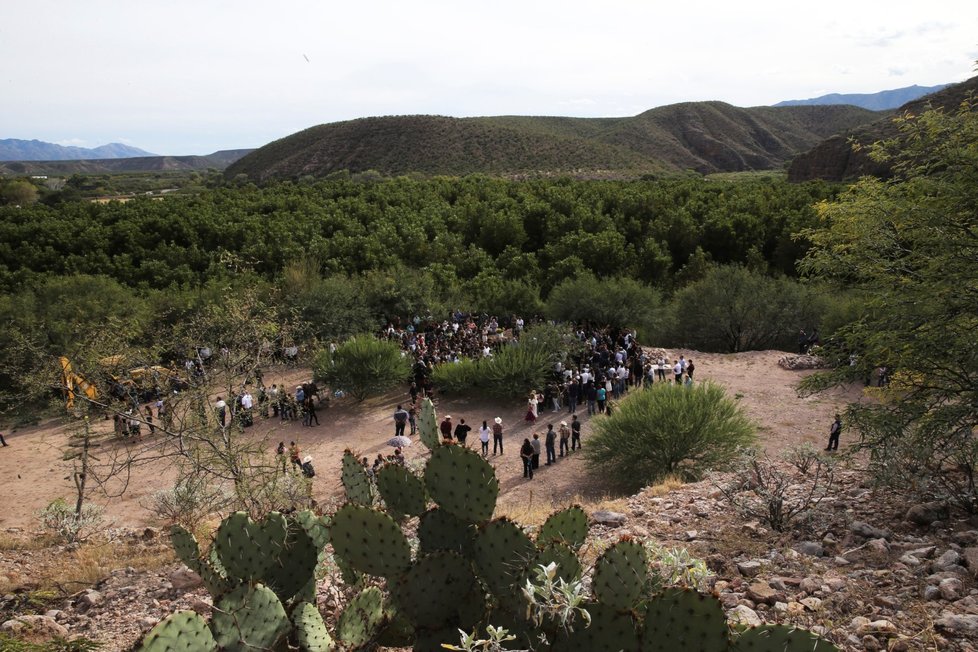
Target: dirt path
x: 33, y: 474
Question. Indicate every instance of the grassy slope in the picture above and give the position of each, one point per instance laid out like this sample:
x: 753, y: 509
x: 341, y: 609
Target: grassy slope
x: 703, y: 136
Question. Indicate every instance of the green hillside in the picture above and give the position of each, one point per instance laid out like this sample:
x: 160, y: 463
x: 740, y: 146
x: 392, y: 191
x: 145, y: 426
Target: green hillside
x: 701, y: 136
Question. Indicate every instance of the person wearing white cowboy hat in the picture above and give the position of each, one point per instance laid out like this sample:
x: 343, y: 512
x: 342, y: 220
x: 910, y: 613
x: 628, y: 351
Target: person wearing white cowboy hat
x: 497, y: 436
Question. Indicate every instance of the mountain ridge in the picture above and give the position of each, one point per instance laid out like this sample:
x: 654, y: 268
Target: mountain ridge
x: 218, y: 161
x: 879, y: 101
x: 700, y: 136
x: 15, y: 149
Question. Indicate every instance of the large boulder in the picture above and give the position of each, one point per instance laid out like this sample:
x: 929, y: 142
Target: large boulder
x: 34, y: 629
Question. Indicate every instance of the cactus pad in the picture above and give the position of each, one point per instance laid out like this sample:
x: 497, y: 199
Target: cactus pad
x: 310, y: 630
x: 502, y: 553
x: 398, y: 632
x: 317, y: 527
x: 249, y: 617
x: 780, y: 638
x: 401, y: 490
x: 433, y: 590
x: 620, y: 575
x: 439, y: 530
x: 568, y: 526
x: 568, y: 565
x: 185, y: 545
x: 370, y: 541
x: 362, y: 619
x: 684, y: 619
x: 462, y: 483
x: 428, y: 425
x: 610, y: 631
x: 293, y: 565
x: 183, y: 631
x: 246, y: 549
x: 355, y: 480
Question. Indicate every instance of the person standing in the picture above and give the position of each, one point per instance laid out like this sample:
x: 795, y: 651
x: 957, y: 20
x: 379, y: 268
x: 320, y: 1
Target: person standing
x: 834, y: 433
x: 294, y: 454
x: 564, y: 433
x: 400, y: 421
x: 2, y: 440
x: 551, y: 444
x: 149, y: 420
x: 446, y: 428
x: 311, y: 411
x: 531, y: 409
x: 280, y: 455
x: 413, y: 419
x: 462, y: 431
x: 690, y: 368
x: 591, y: 396
x: 602, y: 395
x: 222, y: 410
x: 526, y: 453
x: 537, y: 448
x: 497, y: 436
x: 484, y: 432
x: 572, y: 393
x: 677, y: 370
x: 575, y: 433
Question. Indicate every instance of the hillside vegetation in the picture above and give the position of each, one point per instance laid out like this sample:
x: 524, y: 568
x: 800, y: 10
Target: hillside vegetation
x: 704, y: 137
x: 216, y: 161
x: 836, y: 159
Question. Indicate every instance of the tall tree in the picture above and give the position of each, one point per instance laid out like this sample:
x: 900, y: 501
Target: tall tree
x: 911, y: 244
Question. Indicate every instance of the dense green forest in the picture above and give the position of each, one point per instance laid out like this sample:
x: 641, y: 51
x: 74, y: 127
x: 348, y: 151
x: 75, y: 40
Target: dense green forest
x: 535, y: 231
x: 338, y: 257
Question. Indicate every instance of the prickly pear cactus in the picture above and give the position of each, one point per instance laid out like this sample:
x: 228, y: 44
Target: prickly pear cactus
x: 568, y: 565
x: 780, y: 638
x: 249, y: 618
x: 402, y: 491
x: 310, y: 630
x: 568, y: 526
x: 317, y: 527
x: 355, y: 481
x: 295, y: 564
x: 432, y: 591
x: 428, y: 425
x: 210, y: 570
x: 370, y: 541
x: 684, y: 619
x: 183, y: 631
x: 462, y: 483
x: 610, y: 630
x: 502, y: 553
x: 620, y: 575
x: 362, y: 619
x: 439, y: 530
x: 247, y: 549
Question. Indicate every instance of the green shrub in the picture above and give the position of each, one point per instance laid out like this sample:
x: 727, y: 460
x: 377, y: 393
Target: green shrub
x: 615, y: 302
x: 458, y: 377
x: 735, y: 309
x: 362, y: 366
x: 668, y: 429
x: 516, y: 369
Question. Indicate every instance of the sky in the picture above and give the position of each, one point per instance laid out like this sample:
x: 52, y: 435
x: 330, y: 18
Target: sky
x: 194, y: 77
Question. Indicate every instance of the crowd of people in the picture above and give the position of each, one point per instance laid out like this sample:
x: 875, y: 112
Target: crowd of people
x: 606, y: 365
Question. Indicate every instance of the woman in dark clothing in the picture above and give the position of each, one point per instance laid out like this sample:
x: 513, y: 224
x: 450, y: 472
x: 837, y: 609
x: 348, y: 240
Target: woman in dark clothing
x: 526, y: 454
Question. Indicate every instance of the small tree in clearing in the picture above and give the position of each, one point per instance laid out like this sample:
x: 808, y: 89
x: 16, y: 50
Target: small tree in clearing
x: 363, y: 365
x: 668, y: 429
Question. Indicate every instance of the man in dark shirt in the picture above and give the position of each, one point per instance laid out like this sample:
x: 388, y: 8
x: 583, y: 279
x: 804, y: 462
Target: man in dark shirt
x: 462, y: 431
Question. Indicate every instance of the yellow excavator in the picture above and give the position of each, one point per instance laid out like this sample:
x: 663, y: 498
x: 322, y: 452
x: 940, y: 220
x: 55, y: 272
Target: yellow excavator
x: 73, y: 382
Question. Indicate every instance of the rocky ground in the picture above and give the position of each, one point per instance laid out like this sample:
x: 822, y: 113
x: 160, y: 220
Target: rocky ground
x: 863, y: 568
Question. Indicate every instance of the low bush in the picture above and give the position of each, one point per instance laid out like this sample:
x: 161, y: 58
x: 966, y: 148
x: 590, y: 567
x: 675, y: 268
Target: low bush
x: 458, y: 377
x: 189, y: 502
x: 362, y: 366
x: 666, y: 430
x: 60, y: 519
x: 516, y: 369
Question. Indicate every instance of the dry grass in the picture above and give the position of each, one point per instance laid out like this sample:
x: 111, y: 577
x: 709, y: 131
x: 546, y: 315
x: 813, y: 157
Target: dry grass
x: 68, y: 572
x: 535, y: 509
x: 10, y: 542
x: 668, y: 484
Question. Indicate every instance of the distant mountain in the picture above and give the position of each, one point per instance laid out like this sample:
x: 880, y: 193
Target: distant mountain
x: 216, y: 161
x: 836, y: 159
x: 12, y: 149
x: 700, y: 136
x: 882, y: 101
